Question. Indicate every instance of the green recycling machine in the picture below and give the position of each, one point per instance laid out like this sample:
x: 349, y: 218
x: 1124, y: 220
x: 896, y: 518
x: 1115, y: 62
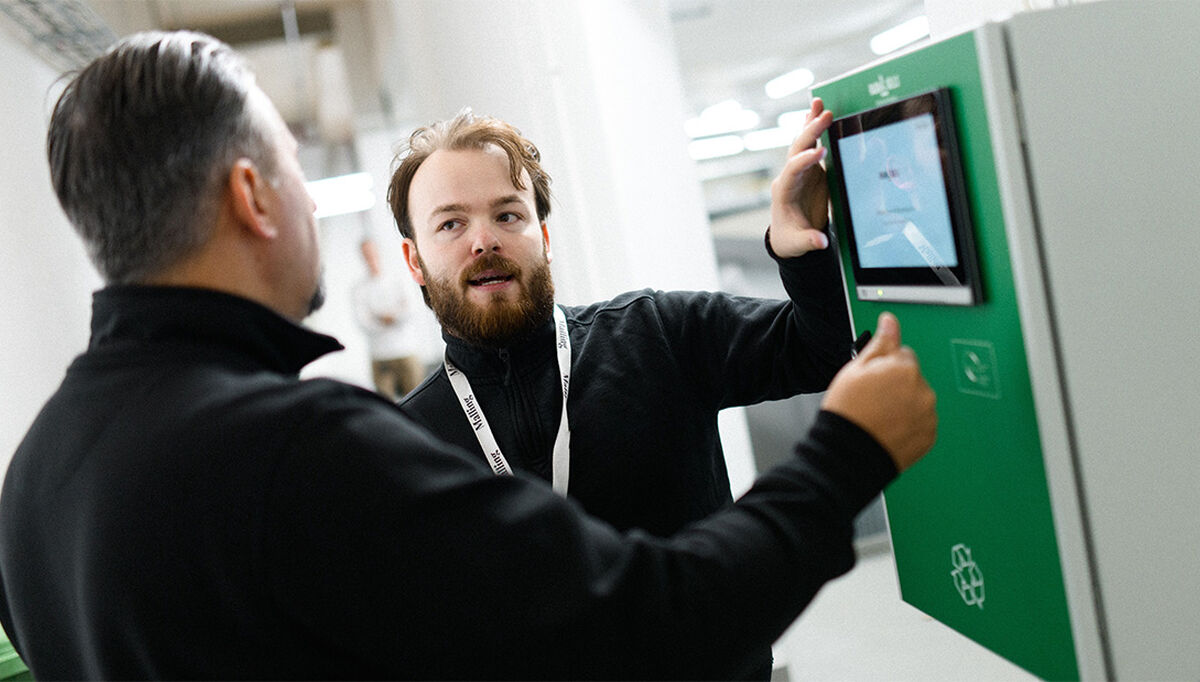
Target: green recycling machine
x: 1025, y: 197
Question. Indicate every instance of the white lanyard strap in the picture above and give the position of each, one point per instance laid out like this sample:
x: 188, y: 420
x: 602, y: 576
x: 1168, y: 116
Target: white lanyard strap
x: 561, y: 465
x: 561, y: 462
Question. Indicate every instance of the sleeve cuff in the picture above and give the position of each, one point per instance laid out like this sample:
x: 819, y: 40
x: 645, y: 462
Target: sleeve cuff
x: 815, y: 254
x: 852, y: 457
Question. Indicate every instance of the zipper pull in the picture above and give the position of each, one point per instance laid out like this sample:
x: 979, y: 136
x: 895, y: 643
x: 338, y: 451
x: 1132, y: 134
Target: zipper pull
x: 504, y: 357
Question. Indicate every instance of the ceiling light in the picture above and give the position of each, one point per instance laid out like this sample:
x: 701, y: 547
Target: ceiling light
x: 342, y: 194
x: 792, y: 121
x: 898, y: 36
x: 789, y: 83
x: 768, y: 138
x: 716, y: 147
x: 719, y: 119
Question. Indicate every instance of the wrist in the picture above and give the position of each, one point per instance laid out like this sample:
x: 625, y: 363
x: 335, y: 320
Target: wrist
x: 797, y: 246
x: 767, y: 240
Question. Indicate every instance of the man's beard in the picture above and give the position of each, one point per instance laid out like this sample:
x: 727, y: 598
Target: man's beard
x: 318, y: 297
x: 500, y: 322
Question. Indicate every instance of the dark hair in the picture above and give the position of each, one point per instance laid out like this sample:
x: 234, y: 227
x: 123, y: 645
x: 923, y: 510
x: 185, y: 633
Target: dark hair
x: 140, y: 142
x: 467, y: 131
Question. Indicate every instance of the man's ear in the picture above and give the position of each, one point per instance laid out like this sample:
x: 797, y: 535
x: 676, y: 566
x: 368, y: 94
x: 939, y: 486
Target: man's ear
x: 413, y: 260
x: 546, y: 242
x: 247, y: 192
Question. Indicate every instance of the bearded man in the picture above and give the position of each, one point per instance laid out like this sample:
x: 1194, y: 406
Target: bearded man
x: 644, y: 374
x: 615, y: 403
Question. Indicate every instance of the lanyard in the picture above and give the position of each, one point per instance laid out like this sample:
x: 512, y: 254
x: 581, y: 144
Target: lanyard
x: 561, y: 463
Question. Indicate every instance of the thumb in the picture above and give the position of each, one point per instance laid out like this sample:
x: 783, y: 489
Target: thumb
x: 885, y: 340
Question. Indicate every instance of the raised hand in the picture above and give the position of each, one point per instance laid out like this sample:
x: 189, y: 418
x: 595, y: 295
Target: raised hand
x: 799, y: 194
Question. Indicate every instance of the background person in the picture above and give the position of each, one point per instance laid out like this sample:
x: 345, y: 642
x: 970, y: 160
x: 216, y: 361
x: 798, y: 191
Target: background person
x: 383, y: 311
x: 184, y: 506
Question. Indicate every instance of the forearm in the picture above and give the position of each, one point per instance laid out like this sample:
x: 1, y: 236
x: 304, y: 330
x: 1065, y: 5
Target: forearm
x: 453, y: 572
x: 747, y: 573
x: 813, y: 283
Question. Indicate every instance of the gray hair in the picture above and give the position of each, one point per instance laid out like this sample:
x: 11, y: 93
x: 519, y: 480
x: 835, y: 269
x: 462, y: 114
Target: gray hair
x: 140, y: 142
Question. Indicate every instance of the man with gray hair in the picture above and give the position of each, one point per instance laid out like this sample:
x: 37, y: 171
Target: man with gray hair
x: 185, y: 506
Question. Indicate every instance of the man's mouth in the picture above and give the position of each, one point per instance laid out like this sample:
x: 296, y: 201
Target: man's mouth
x: 490, y: 278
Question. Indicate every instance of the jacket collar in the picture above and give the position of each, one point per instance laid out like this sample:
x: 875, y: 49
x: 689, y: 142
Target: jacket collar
x: 132, y: 313
x: 481, y: 361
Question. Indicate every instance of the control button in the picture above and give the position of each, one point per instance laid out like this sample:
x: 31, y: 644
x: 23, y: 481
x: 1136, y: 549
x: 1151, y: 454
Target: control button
x: 975, y: 367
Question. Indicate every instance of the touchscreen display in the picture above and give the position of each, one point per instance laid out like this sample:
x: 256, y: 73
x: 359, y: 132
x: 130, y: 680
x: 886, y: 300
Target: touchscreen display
x: 904, y: 210
x: 897, y: 196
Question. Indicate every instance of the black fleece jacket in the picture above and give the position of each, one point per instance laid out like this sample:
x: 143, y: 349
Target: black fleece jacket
x: 650, y: 371
x: 185, y: 507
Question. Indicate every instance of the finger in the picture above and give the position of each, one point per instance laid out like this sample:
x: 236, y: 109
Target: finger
x: 811, y: 131
x: 793, y: 169
x: 885, y: 340
x: 814, y: 109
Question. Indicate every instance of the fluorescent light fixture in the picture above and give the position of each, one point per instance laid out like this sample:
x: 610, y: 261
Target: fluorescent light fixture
x: 789, y: 83
x: 792, y: 121
x: 768, y: 138
x: 342, y: 194
x: 716, y: 147
x: 721, y: 118
x: 898, y: 36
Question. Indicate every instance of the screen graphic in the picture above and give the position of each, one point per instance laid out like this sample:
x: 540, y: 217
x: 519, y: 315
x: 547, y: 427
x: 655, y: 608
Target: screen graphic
x: 897, y: 196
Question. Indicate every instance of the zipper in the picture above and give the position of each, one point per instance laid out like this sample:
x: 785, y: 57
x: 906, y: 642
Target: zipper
x: 508, y: 368
x: 523, y: 404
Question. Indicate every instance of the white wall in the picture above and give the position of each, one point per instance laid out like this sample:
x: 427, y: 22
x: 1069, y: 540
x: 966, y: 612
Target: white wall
x: 45, y: 278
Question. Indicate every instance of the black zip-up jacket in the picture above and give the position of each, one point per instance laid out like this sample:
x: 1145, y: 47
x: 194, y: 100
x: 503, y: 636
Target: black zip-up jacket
x: 650, y: 370
x: 185, y: 507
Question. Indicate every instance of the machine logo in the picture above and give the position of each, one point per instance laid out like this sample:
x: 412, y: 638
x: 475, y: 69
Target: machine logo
x: 967, y: 577
x: 882, y: 87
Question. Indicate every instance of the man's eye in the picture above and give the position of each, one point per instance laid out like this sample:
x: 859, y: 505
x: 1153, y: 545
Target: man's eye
x: 508, y: 217
x: 449, y: 225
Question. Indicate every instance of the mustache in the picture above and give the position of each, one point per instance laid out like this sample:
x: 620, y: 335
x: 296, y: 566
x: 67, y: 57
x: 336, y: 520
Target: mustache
x: 493, y: 262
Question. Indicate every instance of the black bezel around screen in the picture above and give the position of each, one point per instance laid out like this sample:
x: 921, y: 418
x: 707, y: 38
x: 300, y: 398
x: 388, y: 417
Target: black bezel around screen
x: 952, y: 281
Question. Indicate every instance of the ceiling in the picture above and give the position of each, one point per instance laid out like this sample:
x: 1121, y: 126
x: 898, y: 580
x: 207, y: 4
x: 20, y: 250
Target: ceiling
x: 727, y: 49
x: 731, y: 48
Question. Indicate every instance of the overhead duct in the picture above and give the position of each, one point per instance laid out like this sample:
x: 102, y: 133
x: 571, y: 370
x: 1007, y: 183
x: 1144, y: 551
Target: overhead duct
x: 66, y: 34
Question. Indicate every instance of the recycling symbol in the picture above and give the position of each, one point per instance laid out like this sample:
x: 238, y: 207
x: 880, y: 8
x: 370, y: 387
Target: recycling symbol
x: 967, y: 577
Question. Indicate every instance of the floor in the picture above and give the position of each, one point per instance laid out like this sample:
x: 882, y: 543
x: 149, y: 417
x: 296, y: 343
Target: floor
x: 859, y: 629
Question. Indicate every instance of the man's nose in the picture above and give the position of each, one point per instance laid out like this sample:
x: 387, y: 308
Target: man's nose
x: 485, y: 239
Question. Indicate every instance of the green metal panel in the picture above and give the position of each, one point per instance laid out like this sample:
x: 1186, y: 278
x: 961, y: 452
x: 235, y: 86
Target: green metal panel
x: 11, y: 665
x: 971, y: 524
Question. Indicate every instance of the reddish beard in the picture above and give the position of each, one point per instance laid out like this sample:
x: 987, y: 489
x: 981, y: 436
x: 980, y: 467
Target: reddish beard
x: 499, y: 322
